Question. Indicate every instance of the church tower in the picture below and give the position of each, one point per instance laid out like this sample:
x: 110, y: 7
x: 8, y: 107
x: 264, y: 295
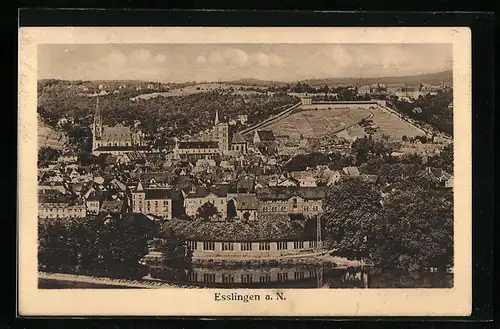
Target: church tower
x: 220, y: 133
x: 97, y: 128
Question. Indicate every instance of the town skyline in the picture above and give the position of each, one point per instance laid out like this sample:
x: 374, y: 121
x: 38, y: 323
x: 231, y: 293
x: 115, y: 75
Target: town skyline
x: 179, y: 63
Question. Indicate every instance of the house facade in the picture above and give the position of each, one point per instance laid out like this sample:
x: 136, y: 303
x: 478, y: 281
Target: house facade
x: 290, y: 200
x: 152, y: 201
x: 199, y: 195
x: 198, y: 150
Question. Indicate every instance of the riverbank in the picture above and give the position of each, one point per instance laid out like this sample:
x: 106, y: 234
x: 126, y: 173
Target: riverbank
x: 100, y: 282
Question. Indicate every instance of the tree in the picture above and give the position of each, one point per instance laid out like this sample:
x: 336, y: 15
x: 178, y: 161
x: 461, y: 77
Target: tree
x: 444, y: 159
x: 231, y: 209
x: 367, y: 148
x: 47, y: 154
x: 416, y: 234
x: 207, y: 211
x: 352, y: 216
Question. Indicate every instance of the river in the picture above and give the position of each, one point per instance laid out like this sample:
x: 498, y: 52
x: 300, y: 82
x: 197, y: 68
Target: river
x: 282, y: 277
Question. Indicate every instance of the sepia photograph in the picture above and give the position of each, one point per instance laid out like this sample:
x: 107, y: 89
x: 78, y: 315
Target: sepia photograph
x: 245, y: 169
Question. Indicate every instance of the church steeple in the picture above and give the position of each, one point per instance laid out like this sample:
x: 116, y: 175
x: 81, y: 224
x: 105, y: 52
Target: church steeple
x: 97, y: 128
x: 216, y: 117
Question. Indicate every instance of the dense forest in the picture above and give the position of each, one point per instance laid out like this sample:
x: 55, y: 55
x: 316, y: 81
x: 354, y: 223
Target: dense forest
x: 376, y: 222
x: 172, y: 116
x: 431, y: 109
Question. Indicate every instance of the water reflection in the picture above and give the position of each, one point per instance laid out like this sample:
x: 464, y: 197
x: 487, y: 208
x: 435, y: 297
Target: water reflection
x: 299, y: 277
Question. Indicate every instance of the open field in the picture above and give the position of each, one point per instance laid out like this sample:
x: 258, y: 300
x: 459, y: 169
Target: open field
x: 318, y: 120
x: 389, y: 124
x: 198, y: 88
x: 318, y: 123
x: 49, y: 137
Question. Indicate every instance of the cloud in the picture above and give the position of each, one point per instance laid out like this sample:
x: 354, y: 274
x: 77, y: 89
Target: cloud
x: 114, y: 58
x: 236, y: 56
x: 201, y: 60
x: 216, y: 58
x: 140, y: 55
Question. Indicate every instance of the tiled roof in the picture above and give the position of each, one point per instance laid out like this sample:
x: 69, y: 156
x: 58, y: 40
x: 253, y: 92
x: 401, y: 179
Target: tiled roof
x: 122, y: 148
x: 201, y: 192
x: 352, y: 171
x: 114, y: 206
x: 286, y: 192
x: 238, y: 139
x: 116, y: 133
x: 247, y: 201
x: 277, y: 228
x: 198, y: 145
x: 53, y: 198
x: 266, y: 135
x: 435, y: 175
x: 157, y: 194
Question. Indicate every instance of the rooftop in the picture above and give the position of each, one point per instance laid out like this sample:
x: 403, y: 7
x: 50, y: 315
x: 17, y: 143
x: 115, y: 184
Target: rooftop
x: 269, y: 229
x: 286, y: 192
x: 198, y: 145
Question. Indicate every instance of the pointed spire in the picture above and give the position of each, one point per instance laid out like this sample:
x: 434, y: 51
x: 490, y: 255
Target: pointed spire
x: 217, y: 117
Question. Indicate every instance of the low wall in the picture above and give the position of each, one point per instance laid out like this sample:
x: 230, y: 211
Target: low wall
x: 270, y: 120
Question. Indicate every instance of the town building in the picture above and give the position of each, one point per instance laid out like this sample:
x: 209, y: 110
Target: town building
x: 437, y: 177
x: 263, y: 136
x: 247, y: 206
x: 304, y: 178
x: 197, y: 196
x: 198, y: 149
x: 115, y: 207
x: 290, y: 200
x: 68, y: 157
x: 58, y: 205
x: 306, y: 100
x: 220, y: 133
x: 153, y: 201
x: 239, y: 144
x: 274, y: 236
x: 115, y: 140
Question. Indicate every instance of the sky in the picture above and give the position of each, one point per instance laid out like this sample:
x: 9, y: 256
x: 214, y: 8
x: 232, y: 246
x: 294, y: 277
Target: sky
x: 223, y: 62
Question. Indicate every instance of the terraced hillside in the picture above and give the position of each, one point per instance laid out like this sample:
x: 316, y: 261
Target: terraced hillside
x: 49, y: 137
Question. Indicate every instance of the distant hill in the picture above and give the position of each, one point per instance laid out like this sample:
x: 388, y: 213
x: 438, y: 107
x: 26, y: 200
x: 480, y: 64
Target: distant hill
x: 432, y: 78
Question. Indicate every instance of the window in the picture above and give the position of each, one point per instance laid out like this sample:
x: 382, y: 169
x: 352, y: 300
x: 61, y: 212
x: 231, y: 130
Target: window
x: 192, y: 245
x: 221, y: 201
x: 165, y: 203
x: 298, y: 275
x: 246, y: 246
x: 306, y: 208
x: 312, y: 273
x: 298, y: 244
x: 246, y: 278
x: 227, y: 246
x: 193, y: 276
x: 294, y: 202
x: 315, y: 208
x: 264, y: 246
x: 265, y: 278
x: 282, y: 276
x: 313, y: 244
x: 227, y: 278
x: 208, y: 277
x: 282, y: 245
x: 209, y: 246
